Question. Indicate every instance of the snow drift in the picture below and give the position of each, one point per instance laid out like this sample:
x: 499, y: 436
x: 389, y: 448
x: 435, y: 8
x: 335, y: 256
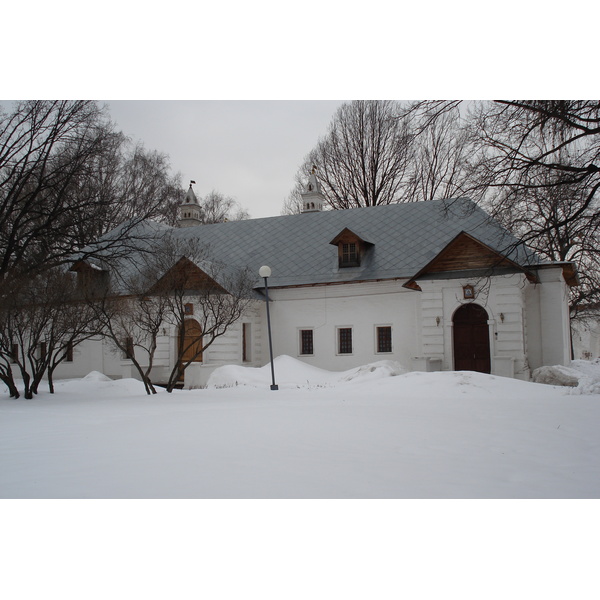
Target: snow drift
x: 293, y: 373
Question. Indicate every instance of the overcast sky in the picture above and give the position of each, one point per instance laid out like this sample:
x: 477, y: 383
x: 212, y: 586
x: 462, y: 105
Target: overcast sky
x: 249, y: 150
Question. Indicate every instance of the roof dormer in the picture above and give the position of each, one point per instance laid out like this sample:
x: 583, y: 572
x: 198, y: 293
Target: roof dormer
x: 351, y: 248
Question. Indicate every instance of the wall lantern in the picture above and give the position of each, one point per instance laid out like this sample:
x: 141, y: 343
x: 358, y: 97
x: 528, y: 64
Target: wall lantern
x: 265, y: 273
x: 502, y: 317
x: 437, y: 321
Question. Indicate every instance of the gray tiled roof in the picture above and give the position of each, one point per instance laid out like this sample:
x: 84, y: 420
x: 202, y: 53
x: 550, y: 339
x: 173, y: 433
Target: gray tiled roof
x: 405, y: 238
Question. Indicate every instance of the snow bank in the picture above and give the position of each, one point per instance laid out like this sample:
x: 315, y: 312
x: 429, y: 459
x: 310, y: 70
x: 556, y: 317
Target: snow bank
x: 583, y: 376
x: 96, y: 376
x: 557, y: 375
x: 98, y: 383
x: 293, y: 373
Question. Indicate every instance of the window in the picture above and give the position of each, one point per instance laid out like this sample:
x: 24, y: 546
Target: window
x: 349, y: 255
x: 306, y: 342
x: 188, y: 309
x: 69, y: 354
x: 384, y: 339
x: 345, y: 340
x: 14, y: 353
x: 351, y: 248
x: 129, y: 353
x: 246, y: 342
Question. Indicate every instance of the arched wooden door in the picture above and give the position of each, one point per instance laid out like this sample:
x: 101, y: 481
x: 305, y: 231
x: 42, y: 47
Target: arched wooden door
x: 471, y: 339
x: 192, y: 341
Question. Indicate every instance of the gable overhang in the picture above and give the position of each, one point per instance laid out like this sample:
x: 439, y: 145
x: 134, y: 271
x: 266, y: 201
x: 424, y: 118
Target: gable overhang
x: 189, y: 275
x: 347, y: 233
x: 85, y: 266
x: 488, y: 262
x: 569, y: 271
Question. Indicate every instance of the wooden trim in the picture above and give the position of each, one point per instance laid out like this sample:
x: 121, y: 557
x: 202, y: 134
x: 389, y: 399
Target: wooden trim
x: 465, y: 252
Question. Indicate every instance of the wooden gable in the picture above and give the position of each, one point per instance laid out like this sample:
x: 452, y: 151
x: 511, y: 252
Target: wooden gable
x: 345, y: 236
x: 91, y: 280
x: 185, y: 275
x: 466, y: 253
x: 351, y: 248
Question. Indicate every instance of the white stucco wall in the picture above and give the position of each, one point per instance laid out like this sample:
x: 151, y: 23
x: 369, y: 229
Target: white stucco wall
x: 548, y: 323
x: 360, y: 306
x: 501, y: 297
x: 91, y: 355
x: 586, y: 339
x: 528, y: 327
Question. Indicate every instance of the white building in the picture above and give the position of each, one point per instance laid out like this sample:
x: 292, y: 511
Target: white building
x: 433, y: 285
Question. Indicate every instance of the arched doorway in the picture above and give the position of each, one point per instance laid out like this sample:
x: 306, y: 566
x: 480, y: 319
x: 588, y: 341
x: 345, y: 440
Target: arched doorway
x: 191, y: 332
x: 471, y: 343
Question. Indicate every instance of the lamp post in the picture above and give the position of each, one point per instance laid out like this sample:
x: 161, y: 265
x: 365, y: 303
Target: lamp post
x: 265, y: 273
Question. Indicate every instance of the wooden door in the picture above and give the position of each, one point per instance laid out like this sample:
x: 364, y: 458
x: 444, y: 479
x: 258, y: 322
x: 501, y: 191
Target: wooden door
x: 471, y: 339
x: 192, y: 341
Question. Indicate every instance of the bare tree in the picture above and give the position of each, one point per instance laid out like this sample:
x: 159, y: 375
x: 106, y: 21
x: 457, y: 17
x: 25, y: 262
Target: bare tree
x: 132, y: 324
x: 65, y: 176
x: 441, y: 150
x: 217, y: 208
x: 132, y: 318
x: 364, y: 158
x: 538, y: 163
x: 127, y: 183
x: 41, y: 323
x: 197, y: 290
x: 44, y: 148
x: 170, y: 286
x: 383, y: 152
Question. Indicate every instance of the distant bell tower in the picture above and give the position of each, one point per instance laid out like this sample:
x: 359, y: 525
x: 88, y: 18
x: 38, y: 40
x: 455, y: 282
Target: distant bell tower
x: 190, y: 212
x: 312, y: 198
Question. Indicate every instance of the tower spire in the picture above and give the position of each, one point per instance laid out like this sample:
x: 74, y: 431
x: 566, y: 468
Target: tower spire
x: 190, y: 211
x: 312, y: 197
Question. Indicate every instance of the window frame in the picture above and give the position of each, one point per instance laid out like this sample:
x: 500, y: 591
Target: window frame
x: 377, y: 338
x: 338, y: 341
x: 301, y: 331
x: 129, y: 348
x: 69, y: 352
x: 347, y: 256
x: 246, y: 342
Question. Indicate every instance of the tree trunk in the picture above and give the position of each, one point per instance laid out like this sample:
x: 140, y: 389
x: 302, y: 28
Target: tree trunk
x: 28, y: 395
x: 51, y: 379
x: 10, y: 384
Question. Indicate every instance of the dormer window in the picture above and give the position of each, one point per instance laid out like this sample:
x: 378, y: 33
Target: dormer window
x: 351, y: 248
x: 349, y: 256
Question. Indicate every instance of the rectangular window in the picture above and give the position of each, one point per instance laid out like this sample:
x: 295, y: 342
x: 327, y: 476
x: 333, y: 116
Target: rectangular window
x: 349, y: 255
x: 69, y: 356
x: 43, y: 350
x: 306, y: 342
x: 14, y: 353
x: 384, y: 339
x: 345, y: 340
x: 128, y: 355
x: 246, y: 342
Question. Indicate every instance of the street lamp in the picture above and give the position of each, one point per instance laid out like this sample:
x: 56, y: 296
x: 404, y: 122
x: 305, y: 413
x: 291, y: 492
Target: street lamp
x: 265, y: 273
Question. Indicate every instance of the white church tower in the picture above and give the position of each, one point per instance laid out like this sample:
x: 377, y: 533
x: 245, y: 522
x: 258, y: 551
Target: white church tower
x: 190, y: 211
x: 312, y: 198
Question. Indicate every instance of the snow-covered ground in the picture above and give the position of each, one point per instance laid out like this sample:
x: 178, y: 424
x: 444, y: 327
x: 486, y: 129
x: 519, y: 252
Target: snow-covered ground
x: 372, y: 432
